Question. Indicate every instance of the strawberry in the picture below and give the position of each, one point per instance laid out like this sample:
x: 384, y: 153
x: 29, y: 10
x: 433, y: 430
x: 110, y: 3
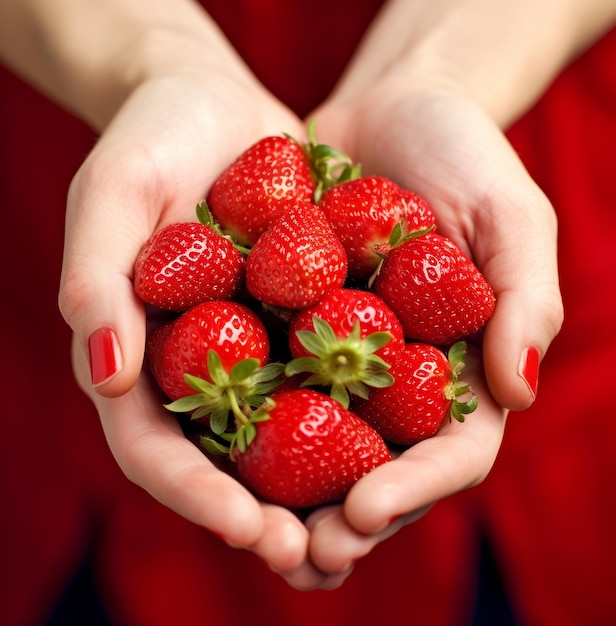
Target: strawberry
x: 424, y: 395
x: 297, y: 261
x: 345, y: 341
x: 256, y: 188
x: 364, y: 213
x: 187, y: 263
x: 436, y: 291
x: 305, y: 449
x: 181, y: 346
x: 271, y: 174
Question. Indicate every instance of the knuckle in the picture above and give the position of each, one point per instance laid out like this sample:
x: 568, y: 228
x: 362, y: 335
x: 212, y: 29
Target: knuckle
x: 75, y: 291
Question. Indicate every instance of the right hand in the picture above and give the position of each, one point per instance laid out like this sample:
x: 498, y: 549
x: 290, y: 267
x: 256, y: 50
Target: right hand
x: 153, y: 163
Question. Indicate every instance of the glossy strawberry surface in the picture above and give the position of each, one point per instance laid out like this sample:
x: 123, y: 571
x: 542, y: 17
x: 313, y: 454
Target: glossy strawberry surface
x: 341, y: 308
x: 297, y: 261
x: 181, y: 346
x: 415, y: 406
x: 364, y: 212
x: 310, y: 451
x: 258, y: 186
x: 436, y: 291
x: 185, y: 264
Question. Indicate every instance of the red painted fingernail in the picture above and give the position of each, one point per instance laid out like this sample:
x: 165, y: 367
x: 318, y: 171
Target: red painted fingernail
x: 105, y: 357
x: 529, y: 369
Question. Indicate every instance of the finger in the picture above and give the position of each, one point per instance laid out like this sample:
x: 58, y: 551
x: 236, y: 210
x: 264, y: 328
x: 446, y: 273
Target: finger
x: 307, y: 577
x: 96, y: 297
x: 521, y: 265
x: 335, y: 546
x: 283, y: 544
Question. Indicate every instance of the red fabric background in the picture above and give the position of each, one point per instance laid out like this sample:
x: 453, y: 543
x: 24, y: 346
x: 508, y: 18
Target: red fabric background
x: 548, y: 505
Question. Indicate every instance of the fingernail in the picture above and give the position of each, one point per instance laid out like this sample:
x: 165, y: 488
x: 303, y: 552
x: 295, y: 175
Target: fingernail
x: 105, y: 357
x: 529, y: 369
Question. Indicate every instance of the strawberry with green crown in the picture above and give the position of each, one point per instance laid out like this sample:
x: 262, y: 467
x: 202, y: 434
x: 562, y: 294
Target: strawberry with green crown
x: 258, y: 186
x: 345, y: 342
x: 305, y: 449
x: 364, y: 213
x: 187, y: 263
x: 273, y: 173
x: 426, y: 393
x: 181, y: 346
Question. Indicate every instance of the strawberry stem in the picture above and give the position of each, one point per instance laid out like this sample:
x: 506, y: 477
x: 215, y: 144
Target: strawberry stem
x: 238, y: 412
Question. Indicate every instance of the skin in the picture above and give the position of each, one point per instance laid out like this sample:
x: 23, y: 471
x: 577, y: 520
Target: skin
x: 431, y: 89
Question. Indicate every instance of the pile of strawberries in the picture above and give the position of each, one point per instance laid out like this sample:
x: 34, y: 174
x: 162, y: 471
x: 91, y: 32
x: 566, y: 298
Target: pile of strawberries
x: 317, y: 321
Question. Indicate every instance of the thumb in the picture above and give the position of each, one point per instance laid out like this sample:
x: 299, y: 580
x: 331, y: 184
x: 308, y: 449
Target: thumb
x: 96, y: 296
x: 529, y: 311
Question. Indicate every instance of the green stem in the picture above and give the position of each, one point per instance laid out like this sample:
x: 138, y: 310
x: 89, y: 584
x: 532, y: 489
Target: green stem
x: 235, y: 407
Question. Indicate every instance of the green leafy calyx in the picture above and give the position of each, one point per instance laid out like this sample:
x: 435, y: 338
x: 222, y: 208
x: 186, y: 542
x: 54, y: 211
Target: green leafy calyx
x: 347, y: 365
x: 204, y: 215
x: 231, y: 401
x: 329, y: 167
x: 457, y: 388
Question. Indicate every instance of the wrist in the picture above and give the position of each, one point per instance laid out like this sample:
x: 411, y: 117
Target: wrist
x: 500, y: 54
x: 89, y: 57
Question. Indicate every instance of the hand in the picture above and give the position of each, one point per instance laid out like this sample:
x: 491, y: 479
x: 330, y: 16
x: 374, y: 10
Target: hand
x: 428, y: 135
x: 153, y: 163
x: 448, y: 150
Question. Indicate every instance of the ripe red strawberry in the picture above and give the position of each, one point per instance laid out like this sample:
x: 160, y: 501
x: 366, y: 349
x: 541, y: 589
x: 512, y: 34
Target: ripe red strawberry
x: 345, y: 342
x: 424, y: 395
x: 275, y: 171
x: 187, y: 263
x: 436, y: 291
x: 297, y: 261
x: 259, y: 185
x: 306, y: 449
x: 181, y: 346
x: 364, y: 213
x: 340, y: 309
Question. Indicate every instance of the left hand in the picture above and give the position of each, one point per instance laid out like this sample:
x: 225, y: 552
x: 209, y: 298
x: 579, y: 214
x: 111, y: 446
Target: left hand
x: 446, y: 148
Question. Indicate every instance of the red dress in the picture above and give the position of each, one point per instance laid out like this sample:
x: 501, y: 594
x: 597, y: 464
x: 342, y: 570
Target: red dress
x: 548, y: 507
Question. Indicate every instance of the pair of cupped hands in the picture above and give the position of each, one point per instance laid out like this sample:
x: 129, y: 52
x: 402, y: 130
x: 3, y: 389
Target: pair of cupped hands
x: 157, y: 157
